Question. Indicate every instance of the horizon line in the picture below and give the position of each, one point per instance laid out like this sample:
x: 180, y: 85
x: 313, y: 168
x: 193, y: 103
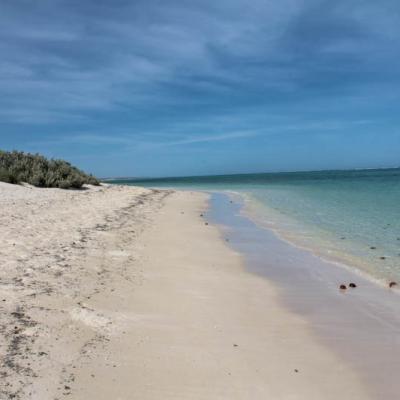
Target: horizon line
x: 144, y: 178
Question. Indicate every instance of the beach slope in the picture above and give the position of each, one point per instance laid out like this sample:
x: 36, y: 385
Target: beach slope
x: 128, y: 293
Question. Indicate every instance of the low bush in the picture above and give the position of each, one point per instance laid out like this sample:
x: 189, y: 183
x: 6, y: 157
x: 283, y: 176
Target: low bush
x: 18, y: 167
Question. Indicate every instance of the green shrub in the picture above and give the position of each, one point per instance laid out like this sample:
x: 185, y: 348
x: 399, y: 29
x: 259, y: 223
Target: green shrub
x: 17, y: 167
x: 6, y: 176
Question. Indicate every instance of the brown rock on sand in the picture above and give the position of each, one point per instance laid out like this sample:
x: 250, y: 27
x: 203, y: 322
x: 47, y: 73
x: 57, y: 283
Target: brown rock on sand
x: 352, y: 285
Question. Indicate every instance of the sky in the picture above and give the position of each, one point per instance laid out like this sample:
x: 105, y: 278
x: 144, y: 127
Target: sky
x: 170, y: 88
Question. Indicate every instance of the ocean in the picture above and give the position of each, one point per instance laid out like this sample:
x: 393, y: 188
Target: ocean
x: 351, y: 217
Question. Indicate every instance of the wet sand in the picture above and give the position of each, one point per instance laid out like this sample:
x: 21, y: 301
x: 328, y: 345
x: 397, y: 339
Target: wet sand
x: 128, y: 293
x: 361, y: 325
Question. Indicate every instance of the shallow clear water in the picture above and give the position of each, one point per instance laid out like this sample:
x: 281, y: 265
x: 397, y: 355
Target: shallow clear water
x: 349, y: 216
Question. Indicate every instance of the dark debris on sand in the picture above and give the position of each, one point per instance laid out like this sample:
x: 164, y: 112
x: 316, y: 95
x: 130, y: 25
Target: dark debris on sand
x: 24, y: 322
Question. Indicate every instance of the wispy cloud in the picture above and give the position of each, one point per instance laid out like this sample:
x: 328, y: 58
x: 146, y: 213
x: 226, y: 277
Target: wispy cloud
x: 163, y: 75
x: 129, y: 142
x: 103, y: 57
x: 201, y: 139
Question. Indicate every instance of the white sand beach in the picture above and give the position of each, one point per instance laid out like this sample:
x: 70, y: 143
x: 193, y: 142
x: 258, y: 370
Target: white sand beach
x: 126, y: 293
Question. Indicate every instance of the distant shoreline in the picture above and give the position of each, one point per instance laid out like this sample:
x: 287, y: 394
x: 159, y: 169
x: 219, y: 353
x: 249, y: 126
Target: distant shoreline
x: 149, y: 179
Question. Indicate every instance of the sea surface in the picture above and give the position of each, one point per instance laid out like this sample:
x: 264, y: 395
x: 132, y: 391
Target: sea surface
x: 351, y: 217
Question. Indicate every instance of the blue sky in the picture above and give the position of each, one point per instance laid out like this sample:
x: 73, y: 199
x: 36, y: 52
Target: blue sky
x: 161, y: 88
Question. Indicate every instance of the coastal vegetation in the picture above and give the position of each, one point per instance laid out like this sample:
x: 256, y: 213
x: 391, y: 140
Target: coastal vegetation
x: 18, y: 167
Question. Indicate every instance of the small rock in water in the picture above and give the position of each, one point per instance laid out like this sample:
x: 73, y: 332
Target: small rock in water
x: 392, y: 284
x: 342, y: 287
x: 343, y: 237
x: 373, y: 248
x: 383, y: 258
x: 352, y: 285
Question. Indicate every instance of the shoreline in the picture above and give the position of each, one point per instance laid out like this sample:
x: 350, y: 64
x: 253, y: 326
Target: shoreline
x: 327, y: 246
x: 328, y: 249
x: 125, y: 292
x: 341, y: 261
x: 283, y: 235
x: 249, y: 211
x: 201, y: 329
x: 309, y: 286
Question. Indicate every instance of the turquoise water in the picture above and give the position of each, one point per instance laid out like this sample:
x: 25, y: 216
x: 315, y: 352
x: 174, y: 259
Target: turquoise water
x: 349, y: 216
